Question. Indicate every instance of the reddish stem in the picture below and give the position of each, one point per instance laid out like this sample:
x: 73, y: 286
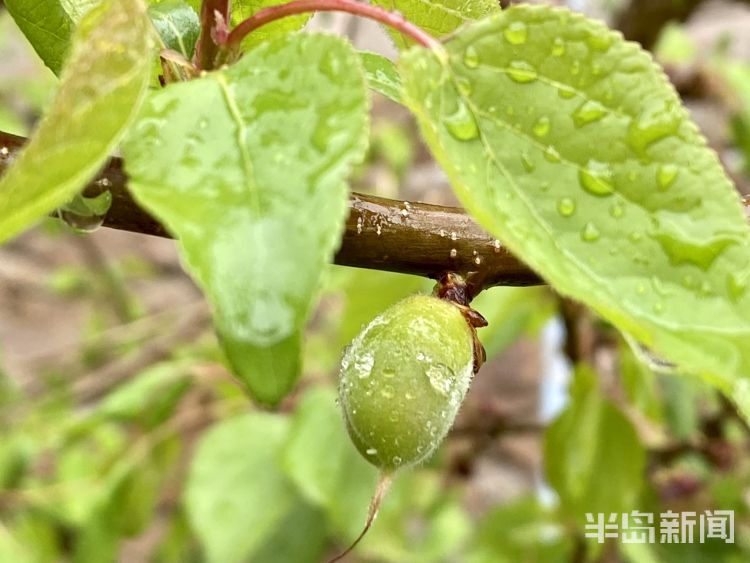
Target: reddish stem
x: 273, y: 13
x: 206, y: 47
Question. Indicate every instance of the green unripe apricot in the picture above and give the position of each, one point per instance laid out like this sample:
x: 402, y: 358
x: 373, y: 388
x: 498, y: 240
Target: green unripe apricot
x: 403, y: 379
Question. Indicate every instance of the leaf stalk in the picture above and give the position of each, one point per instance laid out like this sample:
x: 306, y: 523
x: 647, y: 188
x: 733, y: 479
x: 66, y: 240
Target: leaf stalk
x: 273, y: 13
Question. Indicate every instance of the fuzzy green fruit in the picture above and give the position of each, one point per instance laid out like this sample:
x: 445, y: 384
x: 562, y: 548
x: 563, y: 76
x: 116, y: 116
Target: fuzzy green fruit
x: 403, y: 379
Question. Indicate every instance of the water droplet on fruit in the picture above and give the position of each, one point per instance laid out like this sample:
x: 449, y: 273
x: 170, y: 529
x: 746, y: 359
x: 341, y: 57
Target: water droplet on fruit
x: 516, y: 33
x: 441, y: 378
x: 596, y: 178
x: 371, y: 451
x: 363, y: 365
x: 522, y: 72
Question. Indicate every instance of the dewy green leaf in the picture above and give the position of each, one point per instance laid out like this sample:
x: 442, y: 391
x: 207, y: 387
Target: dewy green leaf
x: 101, y: 88
x: 243, y: 9
x: 48, y: 25
x: 317, y: 427
x: 439, y: 17
x: 382, y: 75
x: 247, y: 167
x: 568, y: 144
x: 236, y: 494
x: 592, y: 454
x: 177, y: 24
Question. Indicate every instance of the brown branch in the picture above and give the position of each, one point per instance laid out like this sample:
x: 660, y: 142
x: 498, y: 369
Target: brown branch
x: 381, y: 234
x: 214, y: 20
x: 643, y: 20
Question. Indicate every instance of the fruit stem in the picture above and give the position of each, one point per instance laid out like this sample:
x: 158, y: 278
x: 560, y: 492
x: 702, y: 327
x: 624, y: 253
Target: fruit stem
x: 273, y: 13
x: 453, y: 288
x: 384, y: 483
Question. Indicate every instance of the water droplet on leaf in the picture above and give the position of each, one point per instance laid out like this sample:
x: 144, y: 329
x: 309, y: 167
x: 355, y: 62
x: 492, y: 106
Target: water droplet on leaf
x: 522, y: 72
x: 588, y: 112
x: 464, y: 86
x: 590, y: 233
x: 737, y: 285
x: 85, y: 214
x: 596, y: 178
x: 652, y: 126
x: 666, y: 175
x: 551, y: 154
x: 461, y: 124
x: 527, y: 163
x: 558, y: 47
x: 542, y: 127
x: 566, y: 207
x: 471, y: 57
x: 617, y: 210
x: 681, y: 247
x: 516, y: 33
x: 600, y: 42
x: 565, y: 92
